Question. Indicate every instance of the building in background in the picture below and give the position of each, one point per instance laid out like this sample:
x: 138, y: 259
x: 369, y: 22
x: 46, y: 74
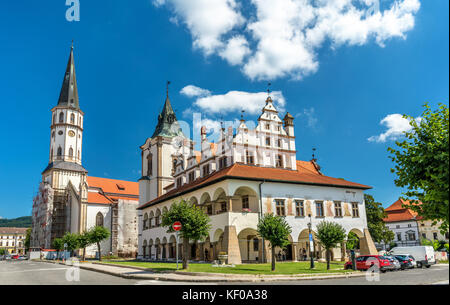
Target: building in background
x: 68, y: 199
x: 235, y: 181
x: 409, y: 228
x: 13, y: 240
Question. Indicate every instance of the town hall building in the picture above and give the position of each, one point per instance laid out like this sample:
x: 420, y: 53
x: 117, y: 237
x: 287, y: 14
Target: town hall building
x: 244, y: 175
x: 68, y: 199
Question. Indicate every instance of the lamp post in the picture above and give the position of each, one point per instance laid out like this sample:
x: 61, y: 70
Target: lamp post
x: 310, y: 242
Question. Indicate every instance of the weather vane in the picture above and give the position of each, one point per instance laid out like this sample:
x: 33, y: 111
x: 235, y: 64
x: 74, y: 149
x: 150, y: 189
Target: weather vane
x: 242, y: 115
x: 268, y: 89
x: 313, y: 156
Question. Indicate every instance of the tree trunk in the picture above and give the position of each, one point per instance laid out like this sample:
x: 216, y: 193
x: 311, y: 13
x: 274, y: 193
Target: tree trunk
x: 84, y: 253
x: 185, y: 252
x: 328, y: 259
x: 273, y: 258
x: 99, y: 252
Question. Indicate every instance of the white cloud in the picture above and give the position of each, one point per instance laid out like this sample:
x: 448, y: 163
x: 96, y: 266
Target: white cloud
x: 281, y: 38
x: 309, y: 116
x: 194, y: 91
x: 396, y: 125
x: 235, y: 101
x: 235, y: 51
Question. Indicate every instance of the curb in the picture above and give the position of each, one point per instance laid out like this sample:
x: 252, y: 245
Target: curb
x: 253, y: 279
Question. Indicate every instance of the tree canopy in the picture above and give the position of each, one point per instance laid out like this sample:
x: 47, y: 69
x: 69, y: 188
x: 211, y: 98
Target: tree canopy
x: 98, y: 234
x: 330, y: 234
x: 276, y: 230
x: 422, y: 164
x: 194, y: 224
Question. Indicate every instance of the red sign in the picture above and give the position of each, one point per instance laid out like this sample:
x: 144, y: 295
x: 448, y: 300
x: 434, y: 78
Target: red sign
x: 176, y: 226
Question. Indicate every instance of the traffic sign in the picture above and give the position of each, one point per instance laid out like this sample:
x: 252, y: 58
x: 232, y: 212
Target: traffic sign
x: 176, y: 226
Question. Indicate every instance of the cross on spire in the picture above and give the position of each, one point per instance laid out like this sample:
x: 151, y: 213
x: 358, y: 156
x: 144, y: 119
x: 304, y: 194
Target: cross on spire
x: 242, y: 115
x: 313, y: 155
x: 268, y: 89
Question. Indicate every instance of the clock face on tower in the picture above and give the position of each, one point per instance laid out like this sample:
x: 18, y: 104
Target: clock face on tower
x: 71, y: 133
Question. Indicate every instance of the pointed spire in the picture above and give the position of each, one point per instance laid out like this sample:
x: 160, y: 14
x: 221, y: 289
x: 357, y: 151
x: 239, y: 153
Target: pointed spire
x: 69, y: 90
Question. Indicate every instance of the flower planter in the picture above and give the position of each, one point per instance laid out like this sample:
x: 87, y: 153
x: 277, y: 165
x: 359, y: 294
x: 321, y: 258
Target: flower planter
x: 222, y: 258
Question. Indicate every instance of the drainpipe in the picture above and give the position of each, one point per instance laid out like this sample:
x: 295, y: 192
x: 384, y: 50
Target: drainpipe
x: 259, y: 217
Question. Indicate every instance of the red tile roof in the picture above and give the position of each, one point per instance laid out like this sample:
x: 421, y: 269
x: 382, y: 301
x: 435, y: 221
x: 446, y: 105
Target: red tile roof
x: 396, y: 212
x: 305, y: 174
x: 12, y: 230
x: 110, y: 190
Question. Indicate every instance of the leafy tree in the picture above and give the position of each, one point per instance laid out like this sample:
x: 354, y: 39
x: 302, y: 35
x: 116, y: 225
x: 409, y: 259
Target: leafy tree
x: 387, y: 236
x: 27, y: 240
x: 2, y: 251
x: 375, y: 215
x: 58, y: 245
x: 330, y: 234
x: 422, y: 165
x: 98, y: 234
x: 194, y: 224
x: 84, y: 240
x: 276, y: 230
x: 437, y: 245
x: 71, y: 239
x: 352, y: 241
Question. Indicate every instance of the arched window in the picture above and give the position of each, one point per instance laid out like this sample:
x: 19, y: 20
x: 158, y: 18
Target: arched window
x: 61, y: 117
x: 59, y: 153
x: 54, y: 119
x: 145, y: 224
x: 149, y: 164
x: 72, y: 118
x: 51, y: 153
x: 71, y: 152
x: 99, y: 220
x: 79, y: 154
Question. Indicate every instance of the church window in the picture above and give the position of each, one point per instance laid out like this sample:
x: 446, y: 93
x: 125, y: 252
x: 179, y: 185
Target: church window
x: 145, y: 223
x: 99, y: 219
x: 149, y: 164
x: 59, y: 153
x: 54, y: 119
x: 53, y: 134
x: 279, y: 161
x: 61, y: 117
x: 72, y: 118
x: 51, y: 152
x: 79, y: 155
x: 71, y: 152
x: 279, y: 204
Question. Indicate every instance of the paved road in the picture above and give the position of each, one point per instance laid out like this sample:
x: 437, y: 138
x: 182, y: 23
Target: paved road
x: 26, y: 273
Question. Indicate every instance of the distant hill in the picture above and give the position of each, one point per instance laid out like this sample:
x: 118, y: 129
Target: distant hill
x: 20, y: 222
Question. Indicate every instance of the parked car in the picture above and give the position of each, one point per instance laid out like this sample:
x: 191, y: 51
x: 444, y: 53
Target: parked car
x: 364, y: 262
x: 15, y: 256
x: 22, y: 257
x: 7, y: 257
x: 394, y: 262
x: 424, y: 255
x: 406, y: 261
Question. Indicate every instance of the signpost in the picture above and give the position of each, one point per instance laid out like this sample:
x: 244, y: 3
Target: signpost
x: 176, y: 226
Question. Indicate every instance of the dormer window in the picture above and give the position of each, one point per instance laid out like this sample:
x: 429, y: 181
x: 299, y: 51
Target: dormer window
x: 121, y: 187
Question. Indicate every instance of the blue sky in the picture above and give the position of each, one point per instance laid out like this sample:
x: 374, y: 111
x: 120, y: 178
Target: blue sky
x: 339, y: 90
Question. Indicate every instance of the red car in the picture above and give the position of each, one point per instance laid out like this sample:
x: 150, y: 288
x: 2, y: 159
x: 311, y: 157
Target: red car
x: 15, y: 256
x: 364, y: 262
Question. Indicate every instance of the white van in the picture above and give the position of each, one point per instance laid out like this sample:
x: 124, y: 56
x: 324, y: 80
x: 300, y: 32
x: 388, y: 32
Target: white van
x: 424, y: 255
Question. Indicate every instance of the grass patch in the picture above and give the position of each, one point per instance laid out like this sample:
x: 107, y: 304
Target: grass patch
x: 443, y: 262
x: 281, y: 267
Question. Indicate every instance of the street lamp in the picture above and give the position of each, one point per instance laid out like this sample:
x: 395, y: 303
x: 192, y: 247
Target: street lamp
x: 310, y: 242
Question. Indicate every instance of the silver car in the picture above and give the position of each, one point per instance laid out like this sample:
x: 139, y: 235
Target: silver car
x: 394, y: 262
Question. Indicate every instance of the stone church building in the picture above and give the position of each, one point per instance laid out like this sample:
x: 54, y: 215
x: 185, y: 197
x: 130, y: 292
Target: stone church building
x: 68, y: 199
x: 245, y: 174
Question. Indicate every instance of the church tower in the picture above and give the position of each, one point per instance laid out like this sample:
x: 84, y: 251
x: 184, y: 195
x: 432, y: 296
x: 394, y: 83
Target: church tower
x: 66, y: 135
x: 160, y: 154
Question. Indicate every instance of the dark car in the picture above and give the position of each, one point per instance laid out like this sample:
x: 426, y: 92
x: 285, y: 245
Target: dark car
x: 406, y: 261
x: 394, y: 262
x: 364, y: 262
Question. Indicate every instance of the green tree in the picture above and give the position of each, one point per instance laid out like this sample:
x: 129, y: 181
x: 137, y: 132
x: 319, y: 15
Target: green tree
x: 98, y: 234
x: 436, y: 244
x: 194, y: 224
x: 58, y: 245
x: 71, y: 239
x: 422, y: 164
x: 276, y: 230
x: 375, y: 215
x: 84, y: 240
x: 352, y: 241
x: 27, y: 240
x: 387, y: 236
x: 330, y: 234
x: 2, y: 251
